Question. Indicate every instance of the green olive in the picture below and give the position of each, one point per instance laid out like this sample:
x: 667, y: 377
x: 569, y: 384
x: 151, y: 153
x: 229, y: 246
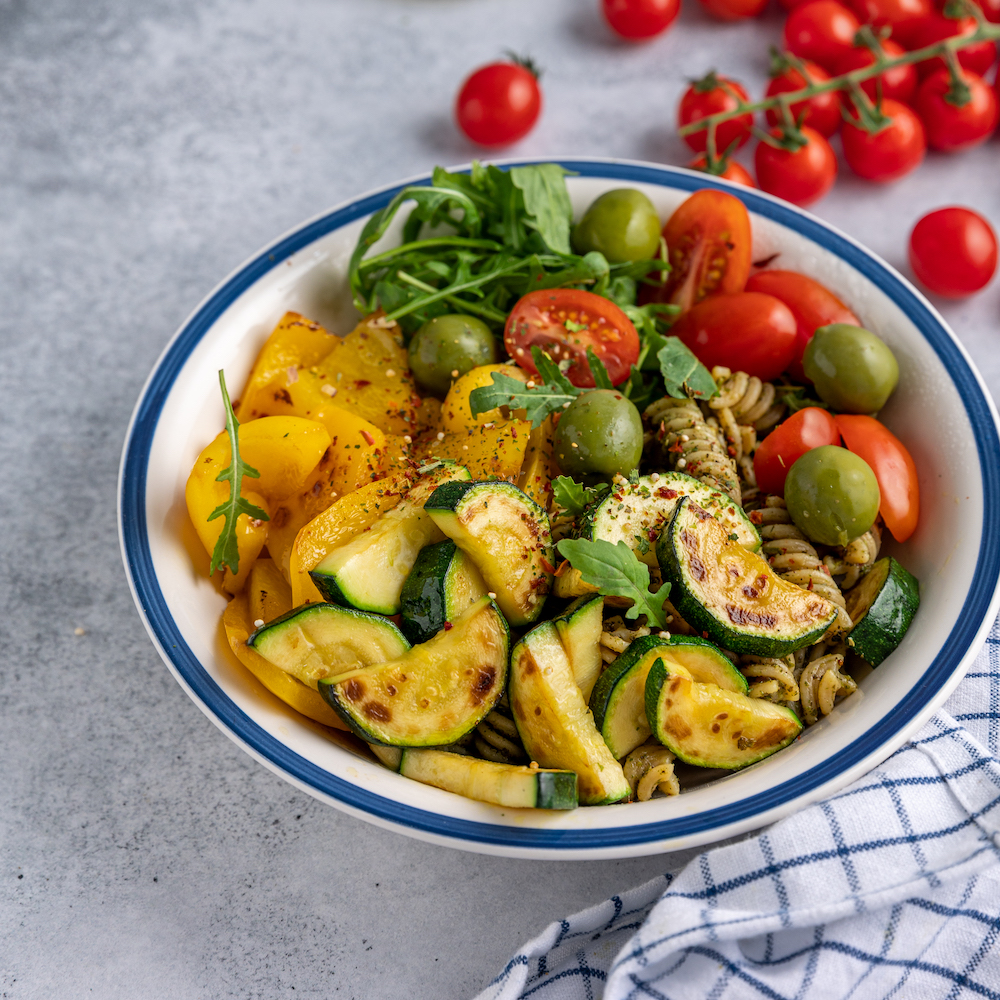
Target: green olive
x: 599, y: 434
x: 448, y: 346
x: 832, y: 495
x: 621, y: 224
x: 852, y: 369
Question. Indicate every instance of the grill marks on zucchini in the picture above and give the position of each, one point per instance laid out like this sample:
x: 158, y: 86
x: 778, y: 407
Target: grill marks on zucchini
x: 731, y: 594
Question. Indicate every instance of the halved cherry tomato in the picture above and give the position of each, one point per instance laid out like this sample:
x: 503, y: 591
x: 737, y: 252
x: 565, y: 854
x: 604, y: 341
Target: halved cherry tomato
x: 734, y: 171
x: 811, y: 304
x: 894, y: 469
x: 708, y: 245
x: 788, y: 442
x: 747, y: 332
x: 821, y: 112
x: 565, y: 322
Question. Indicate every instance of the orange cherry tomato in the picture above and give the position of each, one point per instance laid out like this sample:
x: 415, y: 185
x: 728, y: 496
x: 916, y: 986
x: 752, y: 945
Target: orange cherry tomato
x: 746, y: 332
x: 894, y: 469
x: 811, y: 304
x: 788, y: 442
x: 708, y: 245
x: 565, y: 322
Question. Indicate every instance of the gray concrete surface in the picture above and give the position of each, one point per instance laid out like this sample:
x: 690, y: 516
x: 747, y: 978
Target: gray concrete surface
x: 146, y: 149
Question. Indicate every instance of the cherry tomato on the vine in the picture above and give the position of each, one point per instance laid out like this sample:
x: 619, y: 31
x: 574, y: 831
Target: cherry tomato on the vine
x: 788, y: 442
x: 821, y: 112
x: 565, y: 322
x: 952, y: 127
x: 708, y: 246
x: 891, y: 153
x: 811, y: 304
x: 499, y: 103
x: 900, y: 15
x: 898, y: 83
x: 640, y: 19
x: 709, y: 96
x: 746, y: 331
x: 734, y: 171
x: 894, y: 469
x: 733, y: 10
x: 991, y: 8
x: 820, y: 30
x: 801, y: 176
x: 936, y: 28
x: 953, y: 251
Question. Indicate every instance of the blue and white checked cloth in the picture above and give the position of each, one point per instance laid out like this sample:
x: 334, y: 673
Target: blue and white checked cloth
x: 889, y: 889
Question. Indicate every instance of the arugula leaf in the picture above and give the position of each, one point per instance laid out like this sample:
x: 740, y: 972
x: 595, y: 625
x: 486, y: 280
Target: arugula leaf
x: 602, y: 380
x: 683, y: 374
x: 574, y: 497
x: 616, y: 572
x: 538, y: 402
x: 227, y: 551
x: 551, y: 373
x: 546, y: 202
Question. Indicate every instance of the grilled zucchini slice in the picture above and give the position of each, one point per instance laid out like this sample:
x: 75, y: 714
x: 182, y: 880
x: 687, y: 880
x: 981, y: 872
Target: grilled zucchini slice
x: 881, y: 605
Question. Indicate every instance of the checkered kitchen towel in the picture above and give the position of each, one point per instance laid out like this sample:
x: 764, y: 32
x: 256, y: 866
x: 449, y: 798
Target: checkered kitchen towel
x: 889, y: 889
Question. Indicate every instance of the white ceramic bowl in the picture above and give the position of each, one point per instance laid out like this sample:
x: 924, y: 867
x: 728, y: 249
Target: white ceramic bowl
x: 941, y: 411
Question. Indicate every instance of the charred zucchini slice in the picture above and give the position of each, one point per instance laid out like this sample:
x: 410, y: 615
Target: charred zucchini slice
x: 320, y: 640
x: 555, y: 725
x: 369, y: 571
x: 508, y: 785
x: 506, y: 534
x: 881, y: 605
x: 731, y: 594
x: 434, y: 693
x: 579, y: 630
x: 709, y: 727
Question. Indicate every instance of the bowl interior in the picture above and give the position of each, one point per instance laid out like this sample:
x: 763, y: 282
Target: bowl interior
x: 940, y: 411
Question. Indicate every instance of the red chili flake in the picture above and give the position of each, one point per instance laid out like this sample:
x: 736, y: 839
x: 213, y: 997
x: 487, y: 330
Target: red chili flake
x: 704, y: 635
x: 361, y: 383
x: 448, y: 626
x: 546, y: 565
x: 651, y: 534
x: 666, y: 493
x: 368, y: 438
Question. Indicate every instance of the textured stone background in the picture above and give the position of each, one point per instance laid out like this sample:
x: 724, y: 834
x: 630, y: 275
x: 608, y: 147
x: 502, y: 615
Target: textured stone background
x: 146, y: 149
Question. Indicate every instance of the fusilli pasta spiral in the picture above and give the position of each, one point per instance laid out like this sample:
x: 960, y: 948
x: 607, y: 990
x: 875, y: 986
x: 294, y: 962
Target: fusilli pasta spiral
x: 648, y: 768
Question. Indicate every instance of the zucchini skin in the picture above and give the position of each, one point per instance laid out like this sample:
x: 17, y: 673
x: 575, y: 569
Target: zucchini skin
x: 880, y: 629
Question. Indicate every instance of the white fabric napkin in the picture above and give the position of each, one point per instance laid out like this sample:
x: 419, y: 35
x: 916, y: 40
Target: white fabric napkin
x: 890, y: 888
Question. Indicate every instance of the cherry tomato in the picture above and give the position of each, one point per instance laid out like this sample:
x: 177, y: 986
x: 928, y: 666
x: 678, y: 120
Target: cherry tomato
x: 899, y: 83
x: 565, y: 322
x: 708, y: 246
x: 936, y: 28
x: 990, y: 8
x: 891, y: 153
x: 820, y: 30
x: 821, y: 112
x: 709, y: 96
x: 811, y: 304
x: 953, y: 251
x: 788, y: 442
x: 951, y: 128
x: 746, y: 331
x: 499, y: 104
x: 899, y: 15
x: 640, y: 19
x: 894, y: 469
x: 801, y: 176
x: 734, y: 171
x: 734, y: 10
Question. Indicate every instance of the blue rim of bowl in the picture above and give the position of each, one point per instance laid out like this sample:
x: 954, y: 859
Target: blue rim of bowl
x: 153, y: 605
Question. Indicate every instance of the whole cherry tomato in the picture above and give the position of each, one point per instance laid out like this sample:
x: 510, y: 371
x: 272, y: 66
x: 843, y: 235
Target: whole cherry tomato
x: 821, y: 112
x: 801, y: 176
x: 898, y: 83
x: 894, y: 469
x: 953, y: 251
x: 746, y: 332
x: 734, y: 171
x: 811, y: 304
x: 733, y: 10
x: 991, y: 8
x: 640, y: 19
x: 949, y: 127
x: 708, y: 246
x: 565, y: 322
x: 820, y: 30
x: 708, y: 96
x: 788, y: 442
x: 899, y: 15
x: 889, y: 154
x: 936, y: 28
x: 499, y: 104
